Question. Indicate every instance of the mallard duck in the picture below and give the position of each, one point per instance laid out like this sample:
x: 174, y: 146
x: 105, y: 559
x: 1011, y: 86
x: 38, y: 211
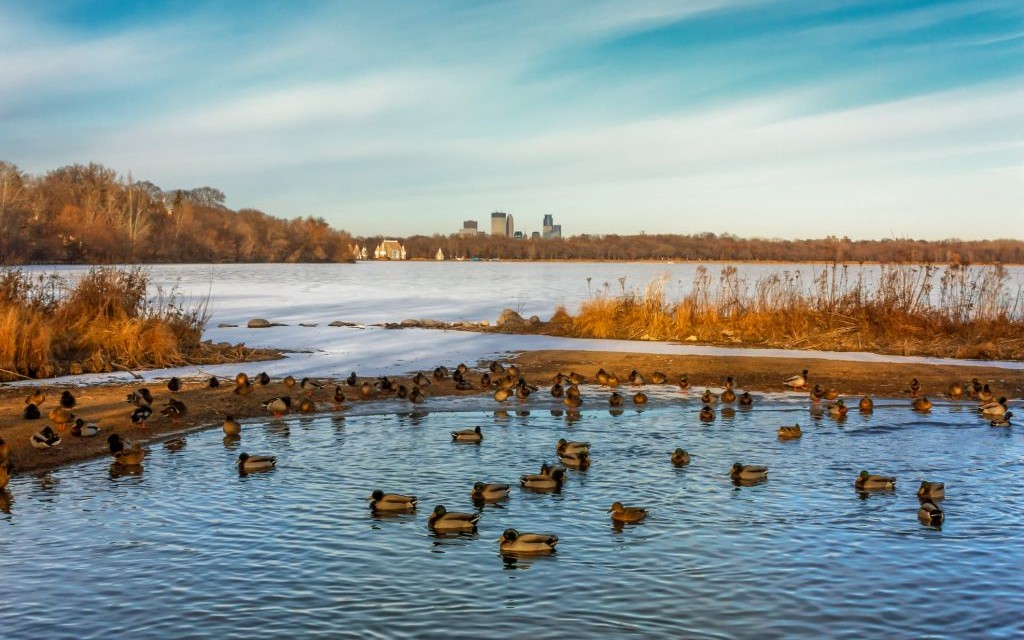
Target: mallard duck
x: 629, y: 515
x: 125, y: 453
x: 442, y: 521
x: 83, y: 429
x: 557, y: 391
x: 309, y: 385
x: 790, y: 432
x: 45, y: 439
x: 867, y: 481
x: 956, y: 391
x: 684, y: 383
x: 496, y: 367
x: 140, y: 398
x: 248, y: 464
x: 288, y: 381
x: 67, y: 400
x: 141, y: 414
x: 502, y: 395
x: 1003, y: 421
x: 441, y: 373
x: 601, y: 376
x: 932, y: 490
x: 380, y: 501
x: 5, y: 450
x: 241, y: 379
x: 993, y: 409
x: 489, y: 491
x: 262, y: 379
x: 576, y: 378
x: 416, y: 396
x: 707, y: 414
x: 5, y: 473
x: 746, y: 400
x: 571, y: 446
x: 797, y: 382
x: 515, y: 543
x: 31, y: 412
x: 402, y: 393
x: 579, y: 460
x: 832, y: 393
x: 817, y: 393
x: 339, y: 397
x: 728, y: 395
x: 613, y: 381
x: 680, y: 457
x: 837, y: 409
x: 748, y: 472
x: 973, y: 388
x: 62, y: 417
x: 657, y: 377
x: 306, y: 405
x: 866, y: 405
x: 915, y: 387
x: 243, y: 389
x: 639, y: 398
x: 421, y: 380
x: 985, y: 394
x: 175, y: 410
x: 572, y: 401
x: 930, y: 514
x: 485, y: 380
x: 707, y: 397
x: 468, y: 435
x: 231, y: 426
x: 922, y: 404
x: 213, y: 383
x: 174, y: 384
x: 352, y: 380
x: 278, y: 406
x: 549, y: 481
x: 36, y: 397
x: 636, y: 378
x: 461, y: 368
x: 175, y: 444
x: 365, y: 390
x: 523, y: 390
x: 615, y: 399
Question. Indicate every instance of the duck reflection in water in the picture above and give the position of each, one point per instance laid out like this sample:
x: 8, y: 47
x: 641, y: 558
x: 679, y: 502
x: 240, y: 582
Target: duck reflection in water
x: 232, y: 442
x: 125, y: 470
x: 6, y: 500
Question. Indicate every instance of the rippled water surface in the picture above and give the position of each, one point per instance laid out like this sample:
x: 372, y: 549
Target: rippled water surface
x: 189, y: 548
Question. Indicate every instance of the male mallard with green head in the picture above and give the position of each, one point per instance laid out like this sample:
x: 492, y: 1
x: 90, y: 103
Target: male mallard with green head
x: 473, y: 435
x: 515, y: 543
x: 489, y: 491
x: 380, y: 501
x: 443, y: 521
x: 748, y: 472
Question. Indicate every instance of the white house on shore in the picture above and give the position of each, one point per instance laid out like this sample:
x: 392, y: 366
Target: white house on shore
x: 389, y: 250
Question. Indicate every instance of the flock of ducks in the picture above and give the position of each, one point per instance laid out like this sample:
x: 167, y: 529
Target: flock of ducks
x: 507, y: 382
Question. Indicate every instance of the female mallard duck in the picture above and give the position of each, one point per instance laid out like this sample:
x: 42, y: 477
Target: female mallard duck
x: 601, y: 376
x: 468, y: 435
x: 83, y: 429
x: 416, y: 396
x: 421, y: 380
x: 140, y: 415
x: 930, y: 514
x: 680, y: 457
x: 31, y: 412
x: 174, y: 384
x: 243, y: 389
x: 441, y: 372
x: 61, y: 417
x: 817, y: 393
x: 639, y: 398
x: 572, y: 401
x: 579, y: 460
x: 728, y: 395
x: 866, y: 481
x: 973, y: 388
x: 797, y: 382
x: 175, y: 410
x: 571, y: 446
x: 636, y: 378
x: 932, y: 491
x: 658, y: 377
x: 380, y: 501
x: 707, y: 414
x: 993, y: 409
x: 278, y: 406
x: 746, y: 399
x: 231, y: 426
x: 985, y: 394
x: 684, y: 383
x: 289, y: 382
x: 140, y: 398
x: 37, y: 397
x: 489, y: 491
x: 748, y: 472
x: 545, y: 481
x: 790, y: 432
x: 832, y: 393
x: 837, y: 409
x: 175, y: 444
x: 922, y: 404
x: 247, y: 463
x: 627, y: 515
x: 956, y: 391
x: 515, y: 543
x: 307, y: 406
x: 241, y: 379
x: 707, y: 397
x: 576, y: 379
x: 557, y: 391
x: 613, y: 381
x: 309, y: 385
x: 615, y: 400
x: 263, y: 379
x: 729, y: 383
x: 443, y: 521
x: 1003, y: 421
x: 915, y: 387
x: 501, y: 395
x: 45, y: 439
x: 866, y: 405
x: 125, y: 453
x: 485, y: 380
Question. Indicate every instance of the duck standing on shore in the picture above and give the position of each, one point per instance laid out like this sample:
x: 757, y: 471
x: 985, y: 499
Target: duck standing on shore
x: 797, y: 382
x: 141, y: 414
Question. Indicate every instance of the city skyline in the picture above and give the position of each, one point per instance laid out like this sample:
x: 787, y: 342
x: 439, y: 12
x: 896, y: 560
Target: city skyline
x: 759, y: 118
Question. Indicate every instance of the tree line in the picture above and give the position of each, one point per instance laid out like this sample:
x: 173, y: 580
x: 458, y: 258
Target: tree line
x: 90, y: 214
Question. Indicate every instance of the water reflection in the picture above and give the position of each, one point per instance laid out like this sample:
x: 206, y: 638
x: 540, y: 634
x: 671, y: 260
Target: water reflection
x: 125, y: 470
x: 6, y: 500
x: 232, y: 442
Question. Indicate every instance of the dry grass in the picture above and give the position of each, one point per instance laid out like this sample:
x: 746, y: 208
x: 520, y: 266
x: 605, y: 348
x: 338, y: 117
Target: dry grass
x: 104, y: 320
x: 957, y: 312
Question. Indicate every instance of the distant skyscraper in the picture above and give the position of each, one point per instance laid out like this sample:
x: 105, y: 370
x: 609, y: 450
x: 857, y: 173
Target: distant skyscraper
x: 510, y: 227
x: 551, y: 230
x: 469, y: 228
x: 498, y: 224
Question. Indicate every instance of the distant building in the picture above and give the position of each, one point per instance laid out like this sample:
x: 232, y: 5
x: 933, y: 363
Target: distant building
x: 534, y: 235
x: 469, y: 228
x: 510, y: 227
x: 389, y: 250
x: 551, y: 230
x: 499, y: 222
x: 518, y: 235
x: 358, y: 253
x: 439, y: 255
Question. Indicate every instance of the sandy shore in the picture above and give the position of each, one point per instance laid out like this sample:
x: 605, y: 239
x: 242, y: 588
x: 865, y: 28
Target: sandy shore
x: 105, y: 405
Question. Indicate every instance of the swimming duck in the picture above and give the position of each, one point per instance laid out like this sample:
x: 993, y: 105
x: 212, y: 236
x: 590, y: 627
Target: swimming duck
x: 231, y: 426
x: 67, y: 400
x: 140, y: 398
x: 866, y: 405
x: 45, y: 439
x: 515, y: 543
x: 728, y: 395
x: 309, y: 385
x: 867, y: 481
x: 628, y: 515
x: 547, y: 480
x: 797, y: 382
x: 175, y: 410
x: 37, y: 397
x: 579, y: 460
x: 707, y: 414
x: 838, y: 409
x: 571, y: 446
x: 790, y: 432
x: 993, y: 409
x: 932, y: 491
x: 748, y: 472
x: 442, y: 521
x: 278, y: 406
x: 83, y: 429
x: 380, y: 501
x: 175, y: 444
x: 746, y: 400
x: 174, y: 384
x: 557, y: 391
x: 307, y: 406
x: 1003, y: 421
x: 31, y: 412
x: 615, y: 400
x: 125, y: 453
x: 817, y: 393
x: 468, y: 435
x: 930, y: 514
x: 658, y: 377
x: 684, y: 383
x: 262, y: 379
x: 213, y: 383
x: 639, y: 398
x: 915, y: 387
x: 680, y: 457
x: 707, y: 397
x: 247, y: 463
x: 141, y: 414
x: 922, y: 404
x: 489, y: 491
x: 956, y: 391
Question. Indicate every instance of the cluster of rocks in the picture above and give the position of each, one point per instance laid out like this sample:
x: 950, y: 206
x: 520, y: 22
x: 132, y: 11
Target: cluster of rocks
x: 508, y: 320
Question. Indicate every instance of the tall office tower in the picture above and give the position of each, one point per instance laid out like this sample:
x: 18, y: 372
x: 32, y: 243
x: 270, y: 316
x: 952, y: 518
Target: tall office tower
x: 510, y: 227
x: 498, y: 222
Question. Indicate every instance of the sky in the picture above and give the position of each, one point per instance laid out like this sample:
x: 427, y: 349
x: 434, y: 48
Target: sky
x: 773, y: 118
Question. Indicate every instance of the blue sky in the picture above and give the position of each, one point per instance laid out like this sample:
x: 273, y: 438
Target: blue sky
x: 766, y: 118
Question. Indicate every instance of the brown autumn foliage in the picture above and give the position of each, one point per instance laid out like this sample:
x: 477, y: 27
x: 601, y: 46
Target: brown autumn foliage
x: 957, y: 311
x: 88, y: 214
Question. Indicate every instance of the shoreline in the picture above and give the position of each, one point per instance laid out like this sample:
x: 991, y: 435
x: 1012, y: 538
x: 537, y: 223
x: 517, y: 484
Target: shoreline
x: 105, y: 405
